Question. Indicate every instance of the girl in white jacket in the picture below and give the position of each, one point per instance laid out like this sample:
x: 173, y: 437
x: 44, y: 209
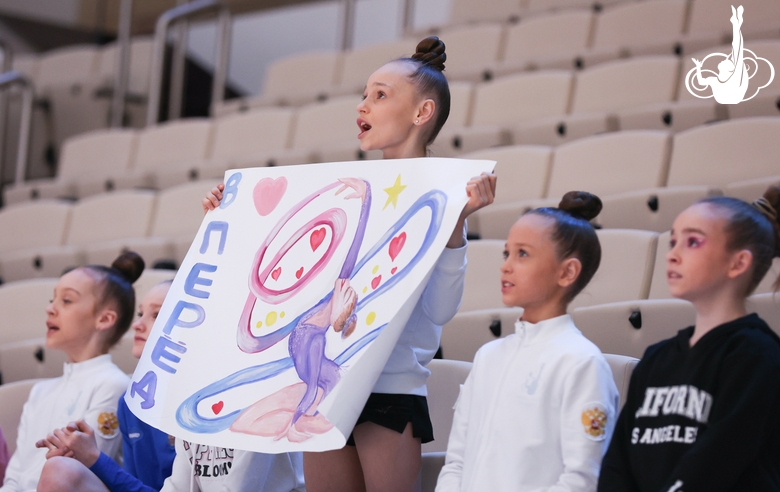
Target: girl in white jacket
x: 537, y: 411
x: 91, y: 310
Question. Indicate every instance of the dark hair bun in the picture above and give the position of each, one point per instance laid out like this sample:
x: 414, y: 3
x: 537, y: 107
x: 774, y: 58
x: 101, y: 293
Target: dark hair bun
x: 130, y: 265
x: 581, y: 204
x: 772, y: 197
x: 430, y: 51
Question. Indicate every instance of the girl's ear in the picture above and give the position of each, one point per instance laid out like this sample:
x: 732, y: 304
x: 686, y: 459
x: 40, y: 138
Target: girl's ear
x: 106, y: 319
x: 569, y: 271
x: 425, y: 112
x: 740, y: 263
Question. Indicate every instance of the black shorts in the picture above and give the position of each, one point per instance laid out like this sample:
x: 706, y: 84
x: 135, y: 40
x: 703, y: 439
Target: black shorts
x: 394, y: 412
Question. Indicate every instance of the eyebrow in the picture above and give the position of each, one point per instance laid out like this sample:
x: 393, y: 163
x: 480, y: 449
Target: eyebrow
x: 71, y: 289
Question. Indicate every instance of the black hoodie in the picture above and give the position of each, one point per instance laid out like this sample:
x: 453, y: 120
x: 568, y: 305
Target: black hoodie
x: 701, y: 418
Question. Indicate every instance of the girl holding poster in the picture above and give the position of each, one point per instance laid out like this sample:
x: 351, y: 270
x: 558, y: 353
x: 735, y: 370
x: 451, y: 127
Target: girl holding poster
x: 406, y: 102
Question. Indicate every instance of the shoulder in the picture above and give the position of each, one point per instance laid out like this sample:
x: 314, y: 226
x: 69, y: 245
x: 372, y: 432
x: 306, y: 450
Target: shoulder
x: 756, y: 342
x: 493, y: 349
x: 43, y: 388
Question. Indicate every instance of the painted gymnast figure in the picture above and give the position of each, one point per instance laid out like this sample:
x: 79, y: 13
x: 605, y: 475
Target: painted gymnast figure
x: 731, y: 84
x: 291, y: 412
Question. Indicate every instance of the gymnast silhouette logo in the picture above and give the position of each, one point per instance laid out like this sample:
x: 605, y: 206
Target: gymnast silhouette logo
x: 730, y: 84
x: 291, y: 412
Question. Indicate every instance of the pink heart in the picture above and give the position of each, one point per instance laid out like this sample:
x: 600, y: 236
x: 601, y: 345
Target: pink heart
x: 299, y: 273
x: 375, y: 282
x: 217, y: 407
x: 268, y: 193
x: 275, y: 274
x: 316, y: 238
x: 392, y: 272
x: 396, y: 245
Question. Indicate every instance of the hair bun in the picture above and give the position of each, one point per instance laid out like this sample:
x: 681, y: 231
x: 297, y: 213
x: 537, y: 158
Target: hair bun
x: 430, y: 51
x: 130, y: 265
x: 771, y: 198
x: 581, y: 204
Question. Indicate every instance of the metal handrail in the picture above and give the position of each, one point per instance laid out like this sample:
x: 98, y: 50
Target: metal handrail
x: 7, y: 66
x: 15, y: 78
x: 158, y: 55
x: 123, y: 63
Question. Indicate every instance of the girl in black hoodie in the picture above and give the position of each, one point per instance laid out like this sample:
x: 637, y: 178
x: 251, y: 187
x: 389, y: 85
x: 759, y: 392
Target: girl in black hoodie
x: 702, y: 409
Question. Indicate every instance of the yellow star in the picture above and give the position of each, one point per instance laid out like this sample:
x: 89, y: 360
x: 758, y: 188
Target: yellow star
x: 393, y: 192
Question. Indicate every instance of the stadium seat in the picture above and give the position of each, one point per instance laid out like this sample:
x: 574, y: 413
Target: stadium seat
x: 472, y: 50
x: 444, y: 384
x: 299, y: 79
x: 360, y: 63
x: 652, y: 210
x: 711, y: 17
x: 556, y: 5
x: 148, y: 279
x: 524, y: 172
x: 28, y: 359
x: 640, y: 28
x: 725, y: 152
x: 49, y: 220
x: 751, y: 189
x: 483, y: 275
x: 468, y: 11
x: 87, y: 163
x: 176, y: 219
x: 431, y: 466
x: 551, y: 40
x: 767, y: 306
x: 23, y: 304
x: 611, y: 163
x: 495, y: 221
x: 94, y: 221
x: 621, y: 366
x: 629, y: 327
x: 326, y: 128
x: 767, y: 101
x: 122, y: 352
x: 627, y: 258
x: 659, y: 288
x: 14, y: 396
x: 767, y: 284
x: 139, y: 78
x: 464, y: 334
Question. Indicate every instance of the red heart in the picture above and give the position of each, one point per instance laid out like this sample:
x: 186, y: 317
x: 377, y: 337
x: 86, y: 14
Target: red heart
x: 375, y: 281
x: 217, y: 407
x: 316, y: 238
x: 275, y: 274
x: 396, y: 245
x: 299, y: 273
x: 268, y: 193
x: 392, y: 272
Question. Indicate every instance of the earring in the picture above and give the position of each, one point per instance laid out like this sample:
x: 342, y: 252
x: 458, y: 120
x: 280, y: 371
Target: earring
x: 416, y: 121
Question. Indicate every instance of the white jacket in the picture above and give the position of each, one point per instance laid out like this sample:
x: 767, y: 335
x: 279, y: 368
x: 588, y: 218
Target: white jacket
x: 198, y: 467
x: 88, y: 390
x: 535, y: 414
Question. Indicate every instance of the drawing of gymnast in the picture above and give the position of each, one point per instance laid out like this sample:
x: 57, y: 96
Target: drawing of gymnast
x: 731, y: 84
x: 291, y: 412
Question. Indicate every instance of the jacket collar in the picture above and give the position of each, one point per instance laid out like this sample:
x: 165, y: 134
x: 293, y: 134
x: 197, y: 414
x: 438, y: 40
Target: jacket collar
x: 531, y: 333
x: 95, y: 363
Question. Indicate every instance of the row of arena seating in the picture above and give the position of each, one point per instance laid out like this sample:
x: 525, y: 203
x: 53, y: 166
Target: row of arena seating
x: 573, y: 38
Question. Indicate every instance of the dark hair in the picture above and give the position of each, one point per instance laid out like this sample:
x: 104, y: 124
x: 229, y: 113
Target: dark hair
x: 574, y: 236
x: 430, y: 81
x: 754, y: 228
x: 116, y: 286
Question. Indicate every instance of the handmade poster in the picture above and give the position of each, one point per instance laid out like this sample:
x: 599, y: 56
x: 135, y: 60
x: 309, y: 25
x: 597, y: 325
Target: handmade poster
x: 291, y: 298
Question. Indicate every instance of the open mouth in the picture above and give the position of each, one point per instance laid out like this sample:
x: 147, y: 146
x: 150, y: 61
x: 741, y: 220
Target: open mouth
x: 364, y: 127
x: 51, y: 328
x: 672, y: 275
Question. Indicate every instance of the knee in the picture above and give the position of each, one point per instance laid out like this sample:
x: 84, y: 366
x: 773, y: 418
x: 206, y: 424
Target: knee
x: 60, y: 475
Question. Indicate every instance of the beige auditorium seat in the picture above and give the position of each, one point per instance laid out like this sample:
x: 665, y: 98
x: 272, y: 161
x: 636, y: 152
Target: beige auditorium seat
x: 711, y: 18
x: 245, y: 138
x: 139, y: 78
x: 148, y: 279
x: 472, y: 50
x: 611, y: 163
x: 360, y: 63
x: 175, y: 222
x: 627, y: 258
x: 468, y: 11
x: 751, y: 189
x: 431, y: 465
x: 29, y: 359
x: 600, y: 92
x: 31, y: 225
x: 767, y: 101
x: 14, y: 396
x: 767, y: 306
x: 621, y: 366
x: 464, y: 334
x: 122, y: 352
x: 483, y: 275
x: 299, y: 79
x: 94, y: 221
x: 27, y: 63
x: 324, y: 131
x: 549, y: 40
x: 443, y: 389
x: 640, y: 28
x: 725, y: 152
x: 652, y: 209
x: 659, y: 288
x: 169, y: 154
x: 86, y: 165
x: 523, y: 174
x: 629, y: 327
x: 767, y: 284
x: 23, y: 304
x: 556, y: 5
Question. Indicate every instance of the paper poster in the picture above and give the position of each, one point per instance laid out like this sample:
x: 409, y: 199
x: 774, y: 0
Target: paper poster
x: 290, y: 299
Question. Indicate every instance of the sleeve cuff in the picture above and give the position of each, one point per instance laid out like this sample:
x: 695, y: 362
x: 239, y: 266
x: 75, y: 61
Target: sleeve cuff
x: 101, y: 463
